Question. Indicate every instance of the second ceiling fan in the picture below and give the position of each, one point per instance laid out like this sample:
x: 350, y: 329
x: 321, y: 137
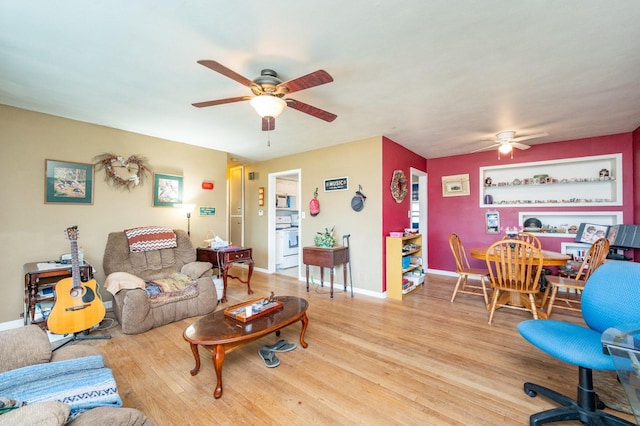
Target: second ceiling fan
x: 506, y: 141
x: 269, y: 93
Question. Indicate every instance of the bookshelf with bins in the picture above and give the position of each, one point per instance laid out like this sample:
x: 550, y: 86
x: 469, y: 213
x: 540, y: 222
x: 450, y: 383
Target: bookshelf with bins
x: 404, y: 265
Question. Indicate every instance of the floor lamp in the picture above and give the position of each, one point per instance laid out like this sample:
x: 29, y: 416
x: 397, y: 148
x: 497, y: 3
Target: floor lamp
x: 188, y: 208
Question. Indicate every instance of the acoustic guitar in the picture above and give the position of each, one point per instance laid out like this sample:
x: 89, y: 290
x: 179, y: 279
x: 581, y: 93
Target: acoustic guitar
x: 77, y: 306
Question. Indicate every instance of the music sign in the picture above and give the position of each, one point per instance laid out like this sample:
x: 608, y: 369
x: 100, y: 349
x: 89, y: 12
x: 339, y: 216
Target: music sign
x: 336, y: 184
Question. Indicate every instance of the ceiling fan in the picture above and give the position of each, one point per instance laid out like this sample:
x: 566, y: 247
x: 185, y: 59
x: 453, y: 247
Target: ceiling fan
x: 506, y: 141
x: 269, y: 92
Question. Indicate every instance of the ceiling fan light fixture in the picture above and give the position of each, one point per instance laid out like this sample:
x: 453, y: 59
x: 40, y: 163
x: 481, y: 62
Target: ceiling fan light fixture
x: 505, y: 148
x: 268, y: 105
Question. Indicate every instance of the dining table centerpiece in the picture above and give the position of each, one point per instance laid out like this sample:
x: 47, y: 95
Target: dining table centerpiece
x: 325, y: 238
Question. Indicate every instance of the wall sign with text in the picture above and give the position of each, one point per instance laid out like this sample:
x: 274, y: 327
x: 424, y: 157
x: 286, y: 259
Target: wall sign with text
x: 336, y: 184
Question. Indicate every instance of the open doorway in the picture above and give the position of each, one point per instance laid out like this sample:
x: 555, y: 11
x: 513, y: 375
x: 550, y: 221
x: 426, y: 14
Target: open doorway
x: 284, y: 222
x: 418, y: 214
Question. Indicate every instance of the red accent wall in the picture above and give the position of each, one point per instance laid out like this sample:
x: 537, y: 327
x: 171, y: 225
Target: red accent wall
x: 464, y: 216
x: 395, y: 215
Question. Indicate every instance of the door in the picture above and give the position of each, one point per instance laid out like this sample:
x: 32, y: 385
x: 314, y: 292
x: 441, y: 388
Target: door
x: 236, y: 206
x: 294, y: 179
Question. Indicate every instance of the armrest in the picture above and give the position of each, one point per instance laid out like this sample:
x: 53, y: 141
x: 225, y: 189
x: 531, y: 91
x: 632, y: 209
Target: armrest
x: 197, y: 269
x: 41, y: 413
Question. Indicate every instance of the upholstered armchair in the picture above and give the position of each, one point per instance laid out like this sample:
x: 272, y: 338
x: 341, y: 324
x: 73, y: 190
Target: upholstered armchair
x: 27, y: 348
x: 129, y: 273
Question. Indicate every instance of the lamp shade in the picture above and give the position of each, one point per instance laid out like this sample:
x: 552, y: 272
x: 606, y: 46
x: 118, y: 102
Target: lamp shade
x: 268, y: 105
x: 505, y: 148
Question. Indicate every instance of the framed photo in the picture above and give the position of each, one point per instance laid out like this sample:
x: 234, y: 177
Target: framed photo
x: 455, y: 185
x: 68, y: 183
x: 167, y: 190
x: 492, y: 221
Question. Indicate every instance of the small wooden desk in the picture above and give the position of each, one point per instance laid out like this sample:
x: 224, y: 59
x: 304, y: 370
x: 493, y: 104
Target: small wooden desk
x: 326, y: 257
x: 223, y: 258
x: 33, y: 285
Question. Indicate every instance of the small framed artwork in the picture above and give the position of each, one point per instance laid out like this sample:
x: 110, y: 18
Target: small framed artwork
x: 492, y: 221
x: 167, y: 190
x: 68, y: 183
x: 455, y: 185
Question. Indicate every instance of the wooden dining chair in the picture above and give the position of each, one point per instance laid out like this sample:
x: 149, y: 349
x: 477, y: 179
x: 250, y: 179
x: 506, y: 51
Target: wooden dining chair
x: 594, y: 257
x: 465, y: 271
x: 514, y: 271
x: 526, y: 237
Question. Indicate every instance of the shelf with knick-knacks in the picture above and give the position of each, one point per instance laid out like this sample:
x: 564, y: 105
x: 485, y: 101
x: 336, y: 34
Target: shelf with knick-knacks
x: 584, y: 181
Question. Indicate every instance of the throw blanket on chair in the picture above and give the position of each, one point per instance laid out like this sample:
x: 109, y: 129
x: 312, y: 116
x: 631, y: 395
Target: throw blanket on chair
x: 82, y: 383
x: 171, y: 289
x: 150, y: 238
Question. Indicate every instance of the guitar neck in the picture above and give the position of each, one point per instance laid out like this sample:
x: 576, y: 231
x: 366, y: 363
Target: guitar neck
x: 75, y: 264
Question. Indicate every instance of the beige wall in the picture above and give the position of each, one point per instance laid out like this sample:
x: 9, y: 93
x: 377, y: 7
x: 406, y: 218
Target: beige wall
x: 31, y: 230
x: 361, y: 162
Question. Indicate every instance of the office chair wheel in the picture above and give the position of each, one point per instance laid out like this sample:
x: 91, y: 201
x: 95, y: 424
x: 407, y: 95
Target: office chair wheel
x: 532, y: 393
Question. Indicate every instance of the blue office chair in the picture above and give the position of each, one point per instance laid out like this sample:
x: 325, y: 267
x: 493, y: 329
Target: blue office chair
x: 611, y: 298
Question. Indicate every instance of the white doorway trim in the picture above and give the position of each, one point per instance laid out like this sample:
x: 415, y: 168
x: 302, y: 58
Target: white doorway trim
x: 271, y: 211
x: 422, y: 200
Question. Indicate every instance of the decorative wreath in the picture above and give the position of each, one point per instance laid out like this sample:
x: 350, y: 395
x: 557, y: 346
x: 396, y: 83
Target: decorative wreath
x: 399, y: 186
x: 136, y: 170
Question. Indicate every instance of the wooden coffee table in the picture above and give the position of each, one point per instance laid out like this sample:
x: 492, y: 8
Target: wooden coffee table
x: 222, y: 334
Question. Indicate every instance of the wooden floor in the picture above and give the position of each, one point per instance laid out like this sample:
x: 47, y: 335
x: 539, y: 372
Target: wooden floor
x: 370, y: 361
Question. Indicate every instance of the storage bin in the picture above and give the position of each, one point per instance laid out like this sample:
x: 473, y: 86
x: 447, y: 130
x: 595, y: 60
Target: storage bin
x: 415, y: 279
x: 406, y: 262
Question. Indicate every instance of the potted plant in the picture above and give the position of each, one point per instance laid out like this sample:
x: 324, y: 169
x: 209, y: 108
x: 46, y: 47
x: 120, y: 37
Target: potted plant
x: 325, y: 239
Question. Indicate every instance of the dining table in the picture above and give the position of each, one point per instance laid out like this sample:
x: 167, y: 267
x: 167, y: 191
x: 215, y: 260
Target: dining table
x: 549, y: 258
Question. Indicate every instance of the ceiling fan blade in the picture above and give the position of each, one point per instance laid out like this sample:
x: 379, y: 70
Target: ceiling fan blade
x: 268, y: 123
x: 311, y: 110
x: 220, y: 101
x: 219, y: 68
x: 520, y: 145
x: 526, y: 138
x: 487, y: 148
x: 313, y: 79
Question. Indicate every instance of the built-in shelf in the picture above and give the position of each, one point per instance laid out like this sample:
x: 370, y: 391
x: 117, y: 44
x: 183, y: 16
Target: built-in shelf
x: 584, y: 181
x: 558, y: 224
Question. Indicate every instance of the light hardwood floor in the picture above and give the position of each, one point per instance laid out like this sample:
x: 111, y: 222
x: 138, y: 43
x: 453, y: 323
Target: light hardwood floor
x: 370, y: 361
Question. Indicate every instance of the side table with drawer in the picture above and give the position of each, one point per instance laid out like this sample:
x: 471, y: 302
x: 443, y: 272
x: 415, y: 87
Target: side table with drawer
x: 223, y: 259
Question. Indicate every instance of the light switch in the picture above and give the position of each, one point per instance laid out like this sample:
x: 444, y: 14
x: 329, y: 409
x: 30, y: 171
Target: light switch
x: 302, y: 215
x: 260, y: 212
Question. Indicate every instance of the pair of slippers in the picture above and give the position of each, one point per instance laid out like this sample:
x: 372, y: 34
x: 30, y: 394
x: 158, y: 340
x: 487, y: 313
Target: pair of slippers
x: 268, y: 352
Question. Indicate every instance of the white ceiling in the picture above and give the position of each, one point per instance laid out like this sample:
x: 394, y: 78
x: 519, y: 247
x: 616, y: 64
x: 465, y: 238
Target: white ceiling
x: 436, y: 76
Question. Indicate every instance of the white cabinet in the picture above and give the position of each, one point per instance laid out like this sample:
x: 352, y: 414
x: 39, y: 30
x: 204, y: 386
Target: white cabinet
x: 584, y: 181
x: 286, y: 194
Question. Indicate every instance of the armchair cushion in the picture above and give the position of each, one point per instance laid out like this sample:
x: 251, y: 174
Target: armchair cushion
x: 47, y: 413
x: 196, y: 269
x: 23, y: 346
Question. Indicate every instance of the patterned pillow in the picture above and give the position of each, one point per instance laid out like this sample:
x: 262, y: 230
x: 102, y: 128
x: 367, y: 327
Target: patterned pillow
x: 150, y: 238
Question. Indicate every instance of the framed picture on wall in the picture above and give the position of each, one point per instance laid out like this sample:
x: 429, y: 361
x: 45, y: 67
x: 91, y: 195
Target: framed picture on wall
x: 492, y: 220
x: 167, y: 190
x: 68, y: 183
x: 455, y: 185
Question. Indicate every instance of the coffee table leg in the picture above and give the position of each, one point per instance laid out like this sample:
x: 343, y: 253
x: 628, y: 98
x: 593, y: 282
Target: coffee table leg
x: 194, y: 349
x: 305, y: 323
x: 217, y: 356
